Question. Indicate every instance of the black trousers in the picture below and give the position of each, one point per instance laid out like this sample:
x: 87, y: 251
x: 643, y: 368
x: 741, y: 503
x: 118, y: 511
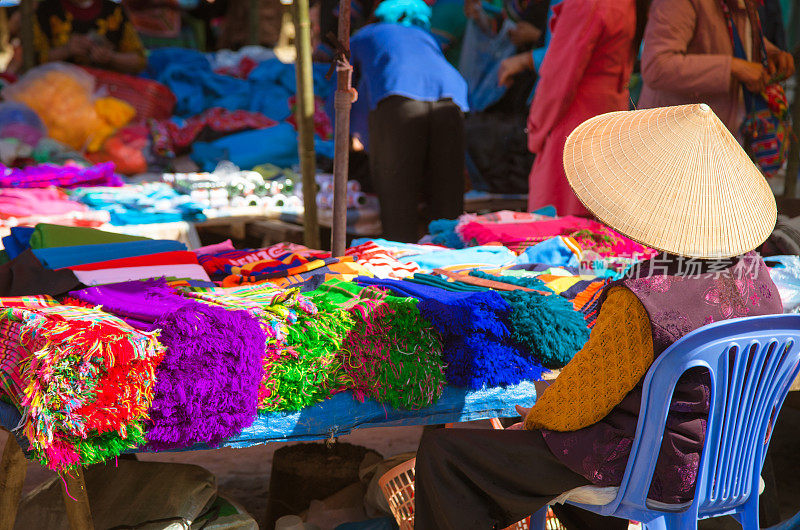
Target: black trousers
x: 416, y: 148
x: 480, y: 479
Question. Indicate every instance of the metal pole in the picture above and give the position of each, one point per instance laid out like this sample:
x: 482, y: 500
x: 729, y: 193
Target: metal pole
x: 305, y: 121
x: 27, y: 10
x: 341, y: 159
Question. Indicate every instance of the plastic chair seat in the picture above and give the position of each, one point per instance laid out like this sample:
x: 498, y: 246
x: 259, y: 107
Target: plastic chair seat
x: 752, y: 363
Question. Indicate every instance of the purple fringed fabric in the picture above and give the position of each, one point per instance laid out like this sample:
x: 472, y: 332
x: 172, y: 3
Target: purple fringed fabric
x: 207, y: 384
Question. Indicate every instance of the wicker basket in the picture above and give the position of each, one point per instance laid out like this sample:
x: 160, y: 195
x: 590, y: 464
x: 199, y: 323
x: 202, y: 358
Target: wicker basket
x: 150, y: 98
x: 397, y: 486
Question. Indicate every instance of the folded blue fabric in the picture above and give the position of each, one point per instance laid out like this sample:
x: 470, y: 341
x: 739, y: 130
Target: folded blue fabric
x: 485, y: 256
x: 197, y: 88
x: 552, y: 251
x: 19, y: 240
x: 60, y: 257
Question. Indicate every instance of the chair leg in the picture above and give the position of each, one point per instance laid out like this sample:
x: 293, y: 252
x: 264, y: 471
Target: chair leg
x: 13, y: 467
x: 76, y: 501
x: 748, y: 517
x: 660, y: 523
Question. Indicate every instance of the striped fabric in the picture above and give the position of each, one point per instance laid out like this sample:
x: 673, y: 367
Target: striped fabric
x: 31, y: 302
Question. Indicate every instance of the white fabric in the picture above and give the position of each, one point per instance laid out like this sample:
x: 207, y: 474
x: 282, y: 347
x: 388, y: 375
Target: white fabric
x: 602, y: 495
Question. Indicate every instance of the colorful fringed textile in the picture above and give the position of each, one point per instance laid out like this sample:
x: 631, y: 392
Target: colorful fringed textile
x: 310, y: 369
x: 82, y: 378
x: 477, y: 345
x: 583, y: 291
x: 292, y: 270
x: 547, y: 327
x: 31, y: 302
x: 216, y: 264
x: 207, y: 385
x: 592, y: 236
x: 276, y: 310
x: 380, y: 261
x: 392, y: 354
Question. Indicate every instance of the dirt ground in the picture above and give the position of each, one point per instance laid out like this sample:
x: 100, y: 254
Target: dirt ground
x: 243, y: 474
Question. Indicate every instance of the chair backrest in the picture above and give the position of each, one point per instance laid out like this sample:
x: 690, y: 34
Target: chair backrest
x: 752, y: 363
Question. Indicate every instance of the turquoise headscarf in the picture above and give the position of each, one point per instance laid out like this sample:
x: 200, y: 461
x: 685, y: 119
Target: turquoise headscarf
x: 405, y: 12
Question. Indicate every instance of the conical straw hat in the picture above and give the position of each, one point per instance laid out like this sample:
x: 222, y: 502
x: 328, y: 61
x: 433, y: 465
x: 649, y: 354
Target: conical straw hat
x: 672, y: 178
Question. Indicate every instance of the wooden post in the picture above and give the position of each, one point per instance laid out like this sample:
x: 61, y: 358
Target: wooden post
x: 13, y: 467
x: 341, y: 160
x: 254, y: 21
x: 305, y: 121
x: 27, y: 9
x: 76, y: 501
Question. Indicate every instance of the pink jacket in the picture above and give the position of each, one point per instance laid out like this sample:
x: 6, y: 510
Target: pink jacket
x: 687, y: 58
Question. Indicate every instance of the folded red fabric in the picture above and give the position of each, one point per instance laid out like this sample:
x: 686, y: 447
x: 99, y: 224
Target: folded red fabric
x: 177, y: 257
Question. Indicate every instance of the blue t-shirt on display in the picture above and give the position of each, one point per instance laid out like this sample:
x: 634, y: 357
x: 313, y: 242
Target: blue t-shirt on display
x: 397, y: 60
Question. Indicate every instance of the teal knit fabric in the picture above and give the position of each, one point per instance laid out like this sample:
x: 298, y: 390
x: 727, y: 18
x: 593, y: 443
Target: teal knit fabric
x: 546, y: 327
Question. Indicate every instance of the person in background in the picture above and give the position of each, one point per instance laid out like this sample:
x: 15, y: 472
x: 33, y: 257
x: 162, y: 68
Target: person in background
x: 416, y: 103
x: 585, y: 73
x: 448, y: 23
x: 521, y: 62
x: 529, y: 17
x: 93, y: 33
x: 689, y: 57
x: 771, y: 14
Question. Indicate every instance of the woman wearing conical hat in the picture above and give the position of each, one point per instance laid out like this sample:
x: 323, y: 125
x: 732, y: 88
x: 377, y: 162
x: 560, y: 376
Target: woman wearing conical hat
x: 671, y: 178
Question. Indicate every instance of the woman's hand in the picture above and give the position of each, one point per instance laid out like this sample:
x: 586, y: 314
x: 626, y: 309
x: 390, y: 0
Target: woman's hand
x: 512, y: 66
x: 781, y: 65
x: 524, y: 33
x: 101, y: 55
x: 752, y: 75
x: 79, y: 46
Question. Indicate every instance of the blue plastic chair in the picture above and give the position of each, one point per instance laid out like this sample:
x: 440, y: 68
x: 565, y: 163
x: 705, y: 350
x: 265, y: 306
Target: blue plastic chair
x: 752, y: 362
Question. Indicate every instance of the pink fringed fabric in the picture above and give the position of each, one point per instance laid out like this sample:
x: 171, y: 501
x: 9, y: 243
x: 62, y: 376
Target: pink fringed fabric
x: 82, y: 378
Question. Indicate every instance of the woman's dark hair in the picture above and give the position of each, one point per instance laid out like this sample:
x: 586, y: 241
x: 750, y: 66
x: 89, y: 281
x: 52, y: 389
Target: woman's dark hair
x: 642, y: 7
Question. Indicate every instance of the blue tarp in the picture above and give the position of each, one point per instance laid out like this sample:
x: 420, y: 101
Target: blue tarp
x: 342, y: 414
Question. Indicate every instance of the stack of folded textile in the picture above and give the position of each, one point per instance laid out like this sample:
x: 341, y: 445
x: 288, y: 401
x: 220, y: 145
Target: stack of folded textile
x: 477, y: 345
x: 83, y: 380
x: 294, y: 269
x: 547, y: 327
x: 218, y: 263
x: 392, y: 354
x: 154, y: 202
x: 207, y: 385
x: 67, y: 176
x: 276, y: 310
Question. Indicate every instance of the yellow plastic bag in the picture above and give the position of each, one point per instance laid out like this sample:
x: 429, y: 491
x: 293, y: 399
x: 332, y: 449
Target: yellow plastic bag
x: 62, y: 96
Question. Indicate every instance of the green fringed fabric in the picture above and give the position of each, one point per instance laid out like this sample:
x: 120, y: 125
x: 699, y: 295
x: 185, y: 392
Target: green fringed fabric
x: 96, y: 448
x: 392, y: 354
x: 109, y: 445
x: 547, y: 327
x: 311, y: 368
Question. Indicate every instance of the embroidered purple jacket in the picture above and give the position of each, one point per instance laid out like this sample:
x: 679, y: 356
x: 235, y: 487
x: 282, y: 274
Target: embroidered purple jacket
x: 676, y: 305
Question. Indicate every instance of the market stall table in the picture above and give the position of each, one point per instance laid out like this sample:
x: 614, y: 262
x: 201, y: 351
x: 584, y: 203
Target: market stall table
x: 327, y: 420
